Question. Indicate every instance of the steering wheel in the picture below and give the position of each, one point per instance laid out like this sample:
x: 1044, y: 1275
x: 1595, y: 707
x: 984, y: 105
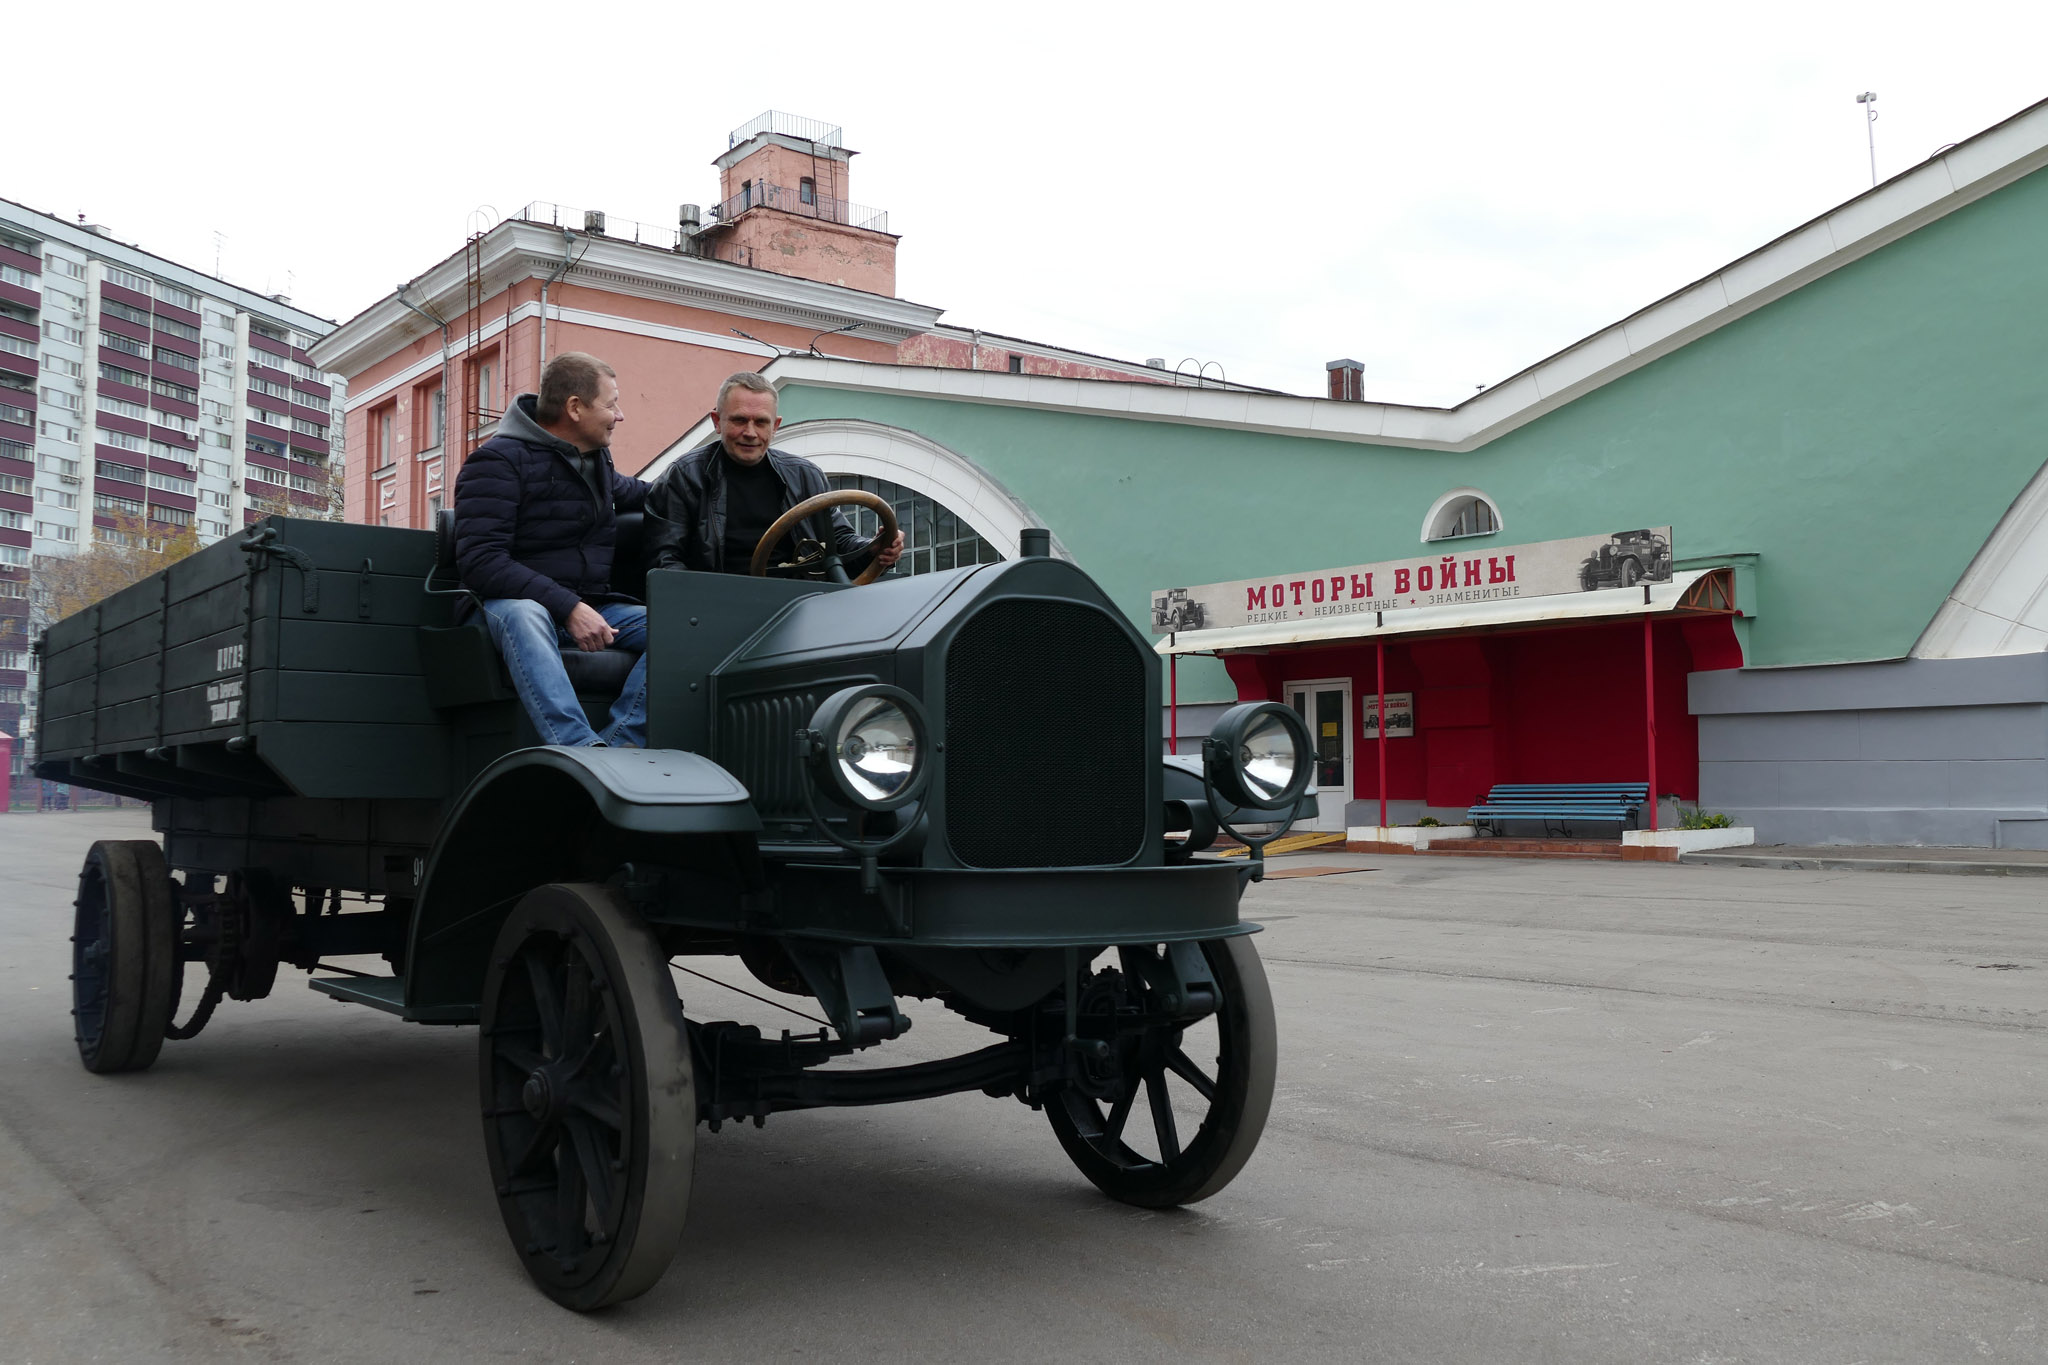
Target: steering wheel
x: 834, y: 571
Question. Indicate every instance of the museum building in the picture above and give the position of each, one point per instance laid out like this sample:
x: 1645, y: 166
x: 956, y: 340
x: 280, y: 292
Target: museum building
x: 1776, y: 544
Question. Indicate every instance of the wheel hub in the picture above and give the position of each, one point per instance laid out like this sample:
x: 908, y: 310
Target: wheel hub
x: 538, y: 1095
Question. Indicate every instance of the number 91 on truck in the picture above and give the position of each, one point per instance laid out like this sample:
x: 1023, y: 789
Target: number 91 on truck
x: 944, y: 791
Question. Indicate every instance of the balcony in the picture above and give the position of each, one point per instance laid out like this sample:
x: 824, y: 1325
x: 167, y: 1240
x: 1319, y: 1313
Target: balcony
x: 762, y: 195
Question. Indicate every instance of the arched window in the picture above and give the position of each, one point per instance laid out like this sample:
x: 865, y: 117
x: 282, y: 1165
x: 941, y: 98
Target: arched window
x: 1461, y: 512
x: 933, y: 536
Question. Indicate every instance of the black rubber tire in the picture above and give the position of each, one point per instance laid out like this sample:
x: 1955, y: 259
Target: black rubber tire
x: 1630, y: 572
x: 1229, y: 1131
x: 124, y: 955
x: 592, y: 1152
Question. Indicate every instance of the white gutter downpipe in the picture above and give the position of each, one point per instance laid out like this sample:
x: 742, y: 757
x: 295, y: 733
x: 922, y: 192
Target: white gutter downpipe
x: 568, y: 245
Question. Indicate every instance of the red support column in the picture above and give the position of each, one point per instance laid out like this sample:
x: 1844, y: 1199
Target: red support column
x: 1381, y: 643
x: 1173, y: 703
x: 1650, y: 710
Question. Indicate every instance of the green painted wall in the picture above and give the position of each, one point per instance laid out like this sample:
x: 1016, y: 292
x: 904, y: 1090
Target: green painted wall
x: 1861, y: 437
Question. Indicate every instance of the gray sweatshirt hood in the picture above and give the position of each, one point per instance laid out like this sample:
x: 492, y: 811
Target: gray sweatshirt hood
x: 519, y: 423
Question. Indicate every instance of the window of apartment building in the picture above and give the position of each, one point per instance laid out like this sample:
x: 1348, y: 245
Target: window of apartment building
x: 58, y: 431
x: 213, y: 469
x: 106, y: 504
x: 177, y: 360
x: 220, y: 350
x: 109, y: 308
x: 13, y: 554
x: 58, y: 465
x: 1016, y: 364
x: 114, y: 341
x: 219, y: 499
x: 263, y: 445
x: 134, y: 379
x: 164, y: 450
x: 15, y: 345
x: 185, y: 426
x: 120, y: 473
x: 487, y: 386
x: 807, y: 190
x: 21, y: 417
x: 57, y: 364
x: 55, y: 497
x: 306, y: 428
x: 212, y: 528
x: 16, y: 659
x: 218, y: 438
x: 57, y: 398
x: 269, y: 329
x: 57, y: 331
x: 58, y: 265
x: 167, y: 388
x: 54, y: 298
x: 437, y: 418
x: 128, y: 279
x: 270, y: 388
x: 53, y: 530
x: 181, y: 298
x: 13, y: 587
x: 171, y: 483
x: 21, y: 383
x: 13, y: 521
x: 216, y: 410
x: 15, y: 275
x: 27, y: 246
x: 170, y: 516
x: 121, y: 407
x: 14, y: 450
x: 176, y: 328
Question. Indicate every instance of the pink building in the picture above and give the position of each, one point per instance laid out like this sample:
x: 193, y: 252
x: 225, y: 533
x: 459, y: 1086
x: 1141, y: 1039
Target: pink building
x: 784, y: 263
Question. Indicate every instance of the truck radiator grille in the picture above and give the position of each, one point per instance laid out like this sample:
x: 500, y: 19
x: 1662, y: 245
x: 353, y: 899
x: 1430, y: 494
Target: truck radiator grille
x: 1047, y: 738
x: 757, y: 744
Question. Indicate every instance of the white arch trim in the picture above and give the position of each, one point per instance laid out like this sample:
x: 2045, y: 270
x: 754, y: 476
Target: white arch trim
x: 1436, y: 510
x: 2000, y: 604
x: 869, y: 449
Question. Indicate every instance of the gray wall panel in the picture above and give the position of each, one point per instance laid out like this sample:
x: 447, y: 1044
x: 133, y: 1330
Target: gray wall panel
x: 1996, y: 732
x: 1939, y: 752
x: 2015, y: 678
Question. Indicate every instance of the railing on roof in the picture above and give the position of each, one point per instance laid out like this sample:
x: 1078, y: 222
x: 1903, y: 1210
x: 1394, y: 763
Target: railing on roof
x: 789, y: 125
x: 618, y: 229
x: 763, y: 195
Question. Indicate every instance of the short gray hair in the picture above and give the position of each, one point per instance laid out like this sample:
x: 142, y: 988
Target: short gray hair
x: 745, y: 379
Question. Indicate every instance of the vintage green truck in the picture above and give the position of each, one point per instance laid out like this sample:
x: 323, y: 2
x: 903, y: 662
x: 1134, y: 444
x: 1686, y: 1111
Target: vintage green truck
x: 946, y: 788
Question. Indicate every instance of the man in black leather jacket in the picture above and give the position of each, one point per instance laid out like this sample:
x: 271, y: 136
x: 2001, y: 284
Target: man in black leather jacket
x: 712, y: 507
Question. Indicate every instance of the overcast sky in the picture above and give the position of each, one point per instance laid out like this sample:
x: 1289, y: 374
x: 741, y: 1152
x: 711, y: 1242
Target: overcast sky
x: 1446, y: 192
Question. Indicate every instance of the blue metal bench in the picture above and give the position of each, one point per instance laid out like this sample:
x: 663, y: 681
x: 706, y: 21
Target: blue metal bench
x: 1560, y: 804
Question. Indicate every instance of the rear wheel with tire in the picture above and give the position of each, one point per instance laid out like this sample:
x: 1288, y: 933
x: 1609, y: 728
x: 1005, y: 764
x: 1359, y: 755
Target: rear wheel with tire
x: 589, y: 1102
x: 124, y: 955
x: 1174, y: 1110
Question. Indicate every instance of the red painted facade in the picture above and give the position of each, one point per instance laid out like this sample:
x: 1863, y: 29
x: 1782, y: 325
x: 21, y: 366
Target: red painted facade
x: 1560, y: 704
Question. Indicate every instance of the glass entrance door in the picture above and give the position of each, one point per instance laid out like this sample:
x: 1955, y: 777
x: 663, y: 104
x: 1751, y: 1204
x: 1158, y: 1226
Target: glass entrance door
x: 1326, y: 706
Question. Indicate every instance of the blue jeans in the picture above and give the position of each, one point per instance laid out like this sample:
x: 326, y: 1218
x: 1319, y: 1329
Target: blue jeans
x: 531, y: 644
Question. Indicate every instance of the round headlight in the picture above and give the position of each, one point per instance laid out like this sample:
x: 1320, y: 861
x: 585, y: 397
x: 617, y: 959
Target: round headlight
x: 1259, y: 756
x: 870, y: 746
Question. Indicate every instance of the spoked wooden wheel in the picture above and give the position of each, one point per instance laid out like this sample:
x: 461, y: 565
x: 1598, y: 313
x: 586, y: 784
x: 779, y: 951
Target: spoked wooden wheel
x: 124, y: 955
x: 1173, y: 1112
x: 590, y: 1112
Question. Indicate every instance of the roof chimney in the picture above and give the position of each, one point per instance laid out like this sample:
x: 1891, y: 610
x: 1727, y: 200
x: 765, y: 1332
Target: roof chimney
x: 1347, y: 381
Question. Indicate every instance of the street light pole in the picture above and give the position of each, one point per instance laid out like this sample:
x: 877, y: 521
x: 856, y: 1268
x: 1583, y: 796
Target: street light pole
x: 1868, y: 99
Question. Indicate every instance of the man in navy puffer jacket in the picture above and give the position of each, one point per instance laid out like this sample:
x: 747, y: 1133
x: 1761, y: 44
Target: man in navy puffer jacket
x: 535, y: 511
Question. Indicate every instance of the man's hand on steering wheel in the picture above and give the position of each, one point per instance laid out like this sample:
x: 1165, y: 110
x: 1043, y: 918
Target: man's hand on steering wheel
x: 890, y: 553
x: 838, y: 497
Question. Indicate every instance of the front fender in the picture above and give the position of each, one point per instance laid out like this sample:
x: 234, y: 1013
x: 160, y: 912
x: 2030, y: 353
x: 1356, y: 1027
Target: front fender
x: 551, y: 814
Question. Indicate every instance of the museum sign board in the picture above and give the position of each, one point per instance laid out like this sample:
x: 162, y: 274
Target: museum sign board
x: 1620, y: 559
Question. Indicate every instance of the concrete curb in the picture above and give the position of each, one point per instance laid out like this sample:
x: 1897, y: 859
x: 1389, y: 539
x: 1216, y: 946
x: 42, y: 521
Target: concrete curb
x: 1949, y: 865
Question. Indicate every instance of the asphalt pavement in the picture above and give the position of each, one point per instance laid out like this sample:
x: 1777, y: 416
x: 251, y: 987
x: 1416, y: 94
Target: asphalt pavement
x: 1570, y: 1112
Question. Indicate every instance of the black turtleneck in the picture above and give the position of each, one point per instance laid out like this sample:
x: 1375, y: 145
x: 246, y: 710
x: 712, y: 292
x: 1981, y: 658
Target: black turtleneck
x: 754, y: 498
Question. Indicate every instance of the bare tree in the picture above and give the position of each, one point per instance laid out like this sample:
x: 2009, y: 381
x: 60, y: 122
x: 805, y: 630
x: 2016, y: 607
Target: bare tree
x: 127, y: 552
